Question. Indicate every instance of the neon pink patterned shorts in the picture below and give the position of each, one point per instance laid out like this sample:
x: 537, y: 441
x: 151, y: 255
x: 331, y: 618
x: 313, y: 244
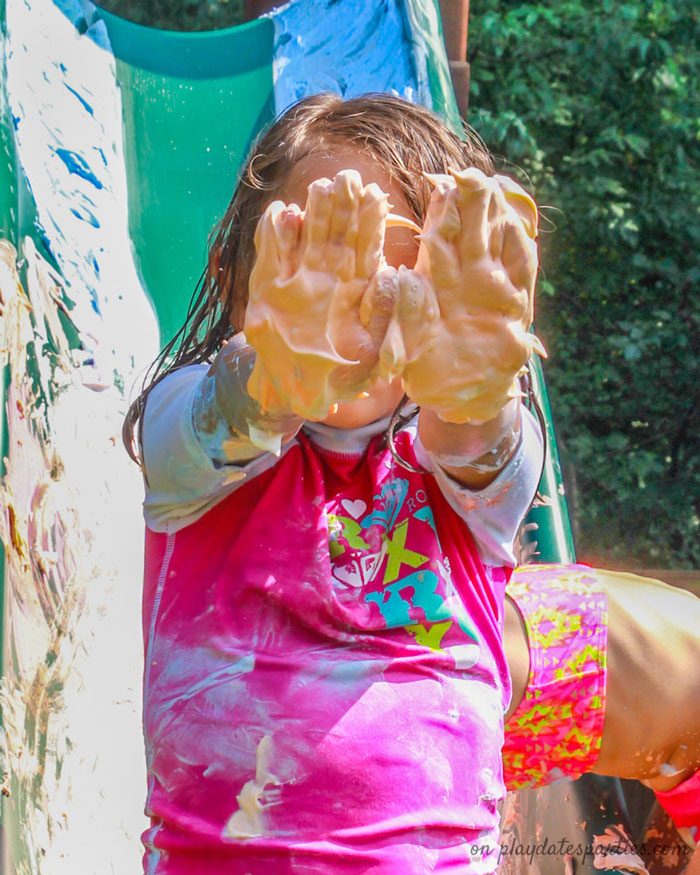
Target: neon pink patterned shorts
x: 556, y: 731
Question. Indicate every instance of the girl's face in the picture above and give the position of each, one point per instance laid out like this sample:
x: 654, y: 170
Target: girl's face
x: 400, y: 247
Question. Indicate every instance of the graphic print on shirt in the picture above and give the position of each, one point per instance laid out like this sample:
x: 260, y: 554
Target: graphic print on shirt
x: 390, y: 556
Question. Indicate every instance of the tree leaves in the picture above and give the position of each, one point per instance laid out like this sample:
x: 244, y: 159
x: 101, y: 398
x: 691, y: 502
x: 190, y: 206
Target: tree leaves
x: 597, y: 106
x: 188, y: 15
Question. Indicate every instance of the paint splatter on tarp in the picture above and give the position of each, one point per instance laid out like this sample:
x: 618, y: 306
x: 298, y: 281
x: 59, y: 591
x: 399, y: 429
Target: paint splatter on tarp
x: 71, y: 747
x: 75, y: 334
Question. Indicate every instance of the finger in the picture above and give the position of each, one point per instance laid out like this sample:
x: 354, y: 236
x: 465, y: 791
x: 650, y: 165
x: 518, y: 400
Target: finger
x: 520, y: 263
x: 442, y: 215
x: 347, y: 193
x: 266, y: 266
x: 497, y: 221
x: 392, y: 351
x: 437, y: 256
x: 288, y: 224
x: 378, y: 303
x: 520, y: 256
x: 474, y: 203
x: 314, y: 237
x: 377, y: 311
x: 418, y: 310
x: 369, y: 248
x: 521, y: 202
x: 378, y: 314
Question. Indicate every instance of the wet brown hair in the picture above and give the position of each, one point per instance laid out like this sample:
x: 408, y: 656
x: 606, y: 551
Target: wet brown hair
x: 404, y: 139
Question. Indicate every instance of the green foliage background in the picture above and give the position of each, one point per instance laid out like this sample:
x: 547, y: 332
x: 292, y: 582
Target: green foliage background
x: 187, y: 15
x: 597, y: 105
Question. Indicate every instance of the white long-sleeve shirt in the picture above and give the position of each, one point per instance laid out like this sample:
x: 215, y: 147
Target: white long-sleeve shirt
x: 184, y: 482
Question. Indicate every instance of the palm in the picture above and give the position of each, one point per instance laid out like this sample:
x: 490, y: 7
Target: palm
x: 475, y: 274
x: 320, y: 297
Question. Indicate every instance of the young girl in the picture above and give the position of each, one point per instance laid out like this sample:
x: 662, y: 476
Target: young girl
x: 324, y: 670
x: 325, y: 679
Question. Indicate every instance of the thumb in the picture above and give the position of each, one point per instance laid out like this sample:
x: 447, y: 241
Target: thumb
x: 378, y: 314
x: 520, y: 201
x: 267, y: 255
x: 417, y: 310
x: 378, y: 304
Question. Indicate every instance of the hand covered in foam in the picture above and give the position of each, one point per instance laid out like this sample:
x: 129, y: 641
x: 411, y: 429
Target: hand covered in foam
x: 459, y: 335
x: 320, y: 297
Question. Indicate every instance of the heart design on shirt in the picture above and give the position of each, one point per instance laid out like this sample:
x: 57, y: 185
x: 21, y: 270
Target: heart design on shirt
x: 348, y: 574
x: 370, y: 563
x: 354, y: 508
x: 360, y: 571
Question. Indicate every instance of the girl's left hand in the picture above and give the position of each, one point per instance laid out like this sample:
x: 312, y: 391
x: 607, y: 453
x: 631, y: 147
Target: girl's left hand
x: 465, y: 310
x: 321, y: 297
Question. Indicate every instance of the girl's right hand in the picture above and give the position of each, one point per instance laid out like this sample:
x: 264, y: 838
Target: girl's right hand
x: 320, y: 298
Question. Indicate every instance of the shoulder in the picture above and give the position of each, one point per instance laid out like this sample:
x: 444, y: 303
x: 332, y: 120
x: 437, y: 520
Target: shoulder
x: 172, y: 388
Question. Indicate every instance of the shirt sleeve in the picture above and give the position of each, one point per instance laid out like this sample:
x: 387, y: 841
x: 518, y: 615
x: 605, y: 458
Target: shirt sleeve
x: 182, y: 482
x: 494, y: 514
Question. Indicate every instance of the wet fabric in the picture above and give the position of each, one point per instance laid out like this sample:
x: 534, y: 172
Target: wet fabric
x: 682, y: 803
x: 185, y: 481
x: 557, y: 729
x: 325, y: 679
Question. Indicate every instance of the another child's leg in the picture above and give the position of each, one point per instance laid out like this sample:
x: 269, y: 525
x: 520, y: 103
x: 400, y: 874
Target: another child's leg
x: 556, y: 643
x: 554, y: 616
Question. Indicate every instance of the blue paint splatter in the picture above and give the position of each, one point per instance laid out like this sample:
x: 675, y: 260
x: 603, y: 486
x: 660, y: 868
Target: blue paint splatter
x: 84, y: 102
x: 78, y: 165
x: 86, y: 216
x: 45, y: 241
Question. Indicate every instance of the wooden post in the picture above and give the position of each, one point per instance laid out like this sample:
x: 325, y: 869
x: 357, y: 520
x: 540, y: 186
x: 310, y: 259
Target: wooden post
x: 256, y: 8
x: 455, y: 27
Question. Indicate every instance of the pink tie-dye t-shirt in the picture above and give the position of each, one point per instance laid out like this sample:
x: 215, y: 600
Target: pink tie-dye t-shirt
x: 325, y: 679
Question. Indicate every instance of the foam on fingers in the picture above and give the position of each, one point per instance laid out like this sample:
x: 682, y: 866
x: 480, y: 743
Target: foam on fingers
x: 317, y: 218
x: 266, y: 246
x: 475, y: 201
x: 287, y: 225
x: 345, y: 196
x: 372, y: 226
x: 520, y: 201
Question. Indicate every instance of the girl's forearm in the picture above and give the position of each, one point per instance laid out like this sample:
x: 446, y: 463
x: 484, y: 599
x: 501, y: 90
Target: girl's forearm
x: 227, y: 422
x: 473, y: 455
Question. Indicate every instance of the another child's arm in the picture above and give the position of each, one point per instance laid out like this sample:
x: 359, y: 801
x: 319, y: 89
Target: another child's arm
x: 652, y: 721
